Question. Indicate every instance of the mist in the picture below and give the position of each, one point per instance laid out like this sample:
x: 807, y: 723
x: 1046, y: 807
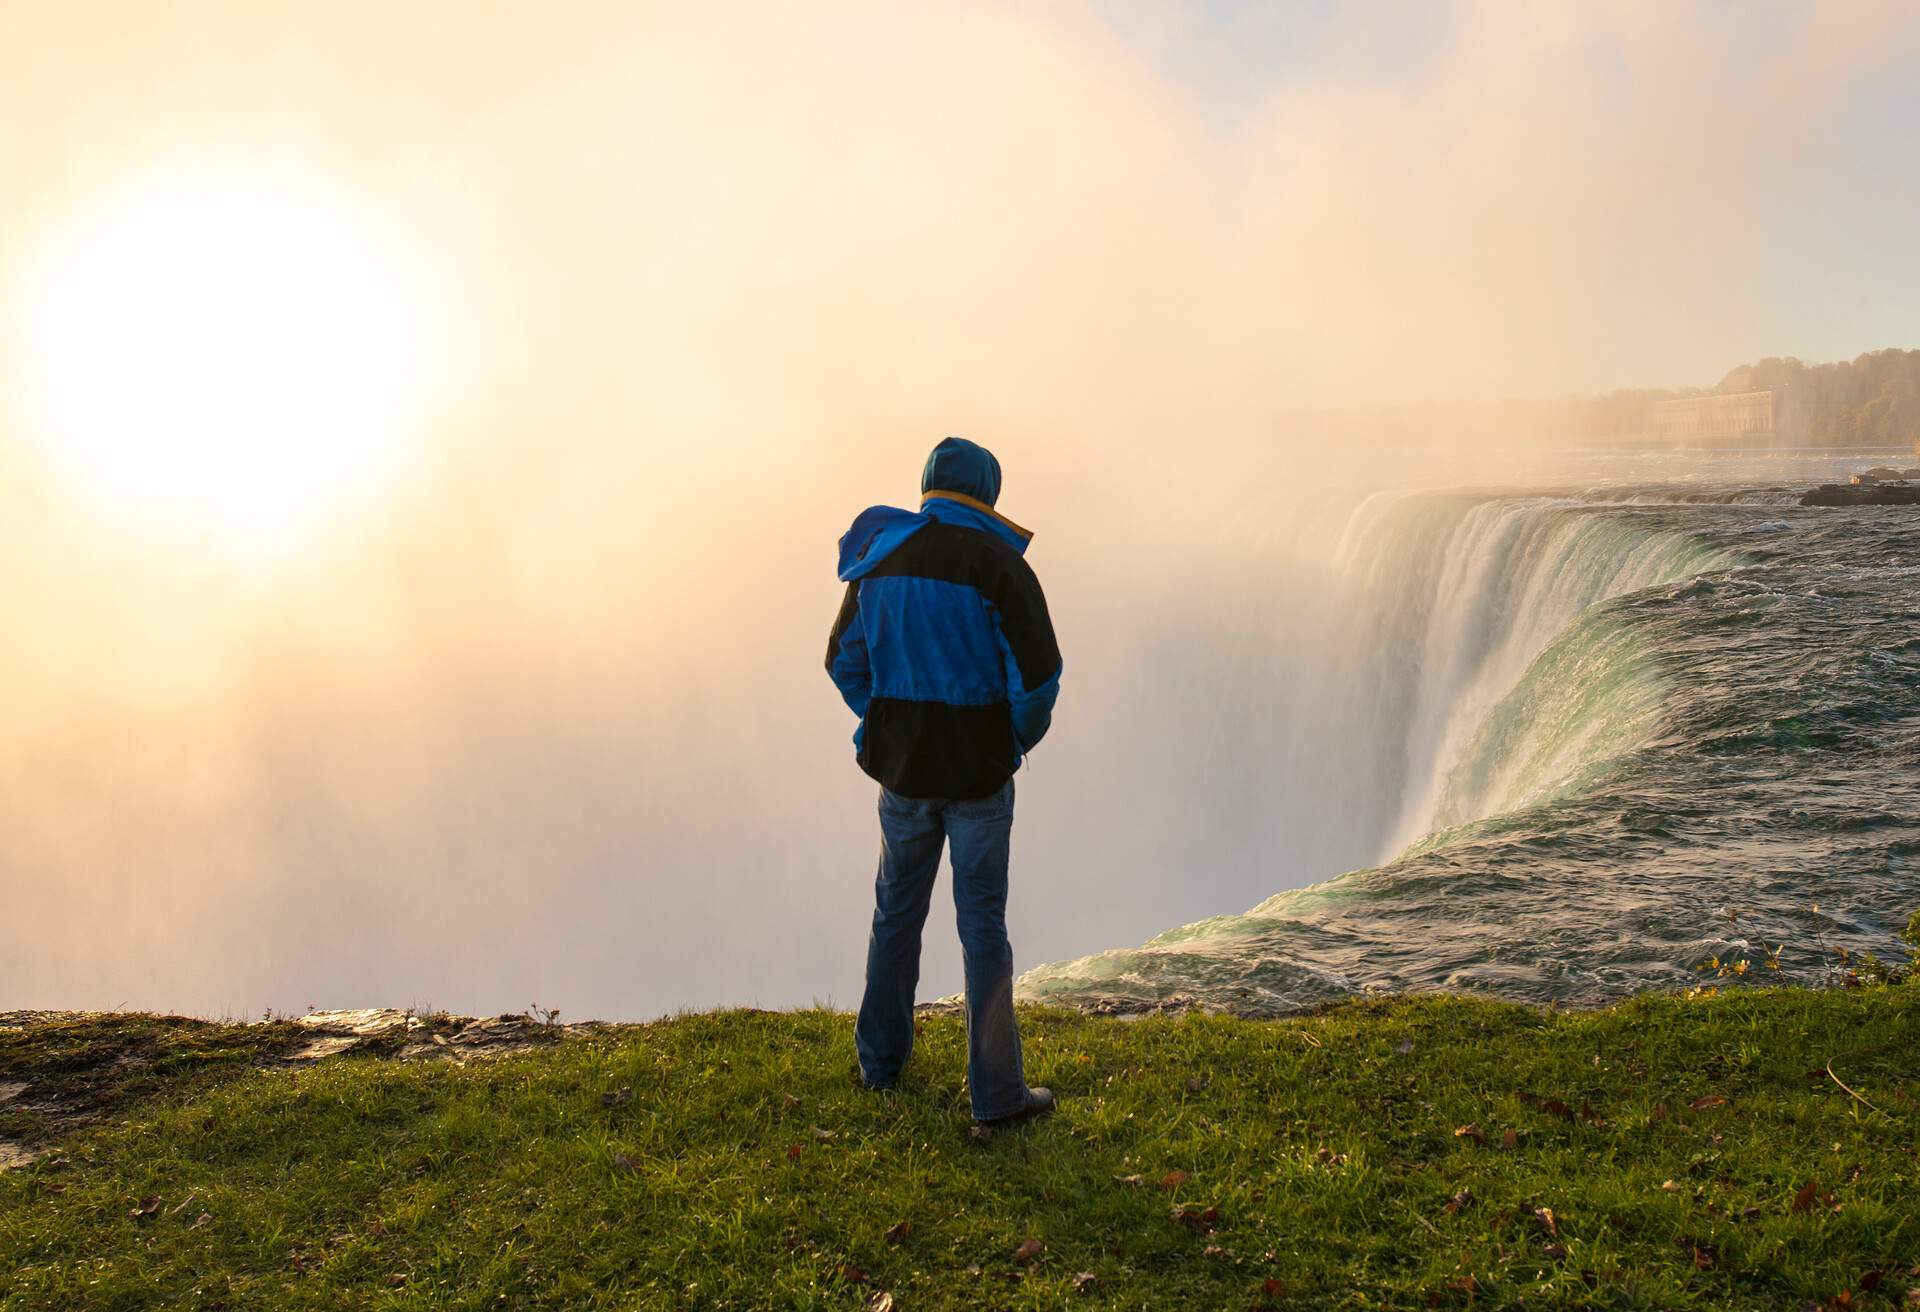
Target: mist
x: 542, y: 719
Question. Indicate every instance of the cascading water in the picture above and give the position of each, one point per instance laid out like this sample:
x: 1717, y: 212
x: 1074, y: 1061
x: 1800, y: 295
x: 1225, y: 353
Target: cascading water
x: 1597, y: 722
x: 1459, y: 594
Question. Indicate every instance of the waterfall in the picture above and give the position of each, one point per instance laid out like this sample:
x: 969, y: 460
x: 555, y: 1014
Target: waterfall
x: 1486, y: 664
x: 1455, y: 597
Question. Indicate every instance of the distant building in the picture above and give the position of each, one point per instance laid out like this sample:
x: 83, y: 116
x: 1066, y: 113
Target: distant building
x: 1724, y: 417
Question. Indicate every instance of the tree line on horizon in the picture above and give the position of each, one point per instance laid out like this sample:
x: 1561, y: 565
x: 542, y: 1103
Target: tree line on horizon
x: 1870, y: 400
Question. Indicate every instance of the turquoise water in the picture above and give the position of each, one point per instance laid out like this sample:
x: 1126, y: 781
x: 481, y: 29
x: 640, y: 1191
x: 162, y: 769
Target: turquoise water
x: 1624, y: 732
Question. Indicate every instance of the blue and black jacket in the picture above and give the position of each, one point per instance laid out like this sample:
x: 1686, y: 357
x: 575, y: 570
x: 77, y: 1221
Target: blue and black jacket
x: 943, y: 646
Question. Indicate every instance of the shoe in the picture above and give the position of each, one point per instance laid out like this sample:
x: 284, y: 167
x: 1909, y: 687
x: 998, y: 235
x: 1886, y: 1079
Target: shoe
x: 1039, y: 1103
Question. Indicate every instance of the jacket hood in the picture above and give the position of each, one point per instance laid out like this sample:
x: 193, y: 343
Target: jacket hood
x: 875, y: 534
x: 957, y: 465
x: 878, y: 531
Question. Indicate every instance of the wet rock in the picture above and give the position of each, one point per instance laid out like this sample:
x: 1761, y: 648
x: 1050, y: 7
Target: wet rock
x: 1863, y: 494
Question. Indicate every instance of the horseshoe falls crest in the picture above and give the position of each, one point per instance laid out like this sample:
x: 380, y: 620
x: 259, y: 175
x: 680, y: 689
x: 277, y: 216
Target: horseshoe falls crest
x: 1596, y: 739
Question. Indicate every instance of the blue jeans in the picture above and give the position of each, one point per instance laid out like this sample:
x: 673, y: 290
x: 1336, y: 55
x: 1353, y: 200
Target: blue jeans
x: 911, y: 833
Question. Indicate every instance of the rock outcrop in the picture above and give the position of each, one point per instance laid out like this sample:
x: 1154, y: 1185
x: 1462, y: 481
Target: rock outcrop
x: 1863, y: 494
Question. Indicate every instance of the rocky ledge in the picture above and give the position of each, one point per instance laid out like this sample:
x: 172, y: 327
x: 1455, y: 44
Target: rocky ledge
x: 1863, y: 494
x: 62, y: 1070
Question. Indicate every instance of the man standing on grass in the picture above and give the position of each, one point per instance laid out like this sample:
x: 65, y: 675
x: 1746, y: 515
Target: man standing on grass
x: 944, y: 650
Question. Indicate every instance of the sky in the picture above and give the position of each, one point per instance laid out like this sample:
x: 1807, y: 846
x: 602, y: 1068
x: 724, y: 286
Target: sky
x: 424, y: 431
x: 1368, y: 202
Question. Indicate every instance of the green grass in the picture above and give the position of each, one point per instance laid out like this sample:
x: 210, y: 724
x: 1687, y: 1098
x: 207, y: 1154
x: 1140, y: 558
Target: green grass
x: 747, y: 1169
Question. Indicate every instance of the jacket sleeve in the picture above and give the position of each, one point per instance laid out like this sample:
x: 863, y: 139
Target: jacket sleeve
x: 847, y: 654
x: 1032, y: 658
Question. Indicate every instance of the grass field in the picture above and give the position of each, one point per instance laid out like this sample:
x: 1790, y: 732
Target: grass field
x: 1673, y: 1152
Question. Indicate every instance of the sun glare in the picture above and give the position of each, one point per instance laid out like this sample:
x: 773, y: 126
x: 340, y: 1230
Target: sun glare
x: 238, y: 354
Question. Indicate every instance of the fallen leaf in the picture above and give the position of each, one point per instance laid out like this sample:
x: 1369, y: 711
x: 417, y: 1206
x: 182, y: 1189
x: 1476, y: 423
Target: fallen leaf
x: 852, y: 1274
x: 1659, y: 1113
x: 1212, y: 1250
x: 1404, y: 1047
x: 825, y: 1136
x: 1510, y: 1140
x: 1462, y: 1199
x: 1028, y: 1250
x: 397, y: 1278
x: 1173, y: 1179
x: 1869, y: 1281
x: 615, y: 1097
x: 882, y: 1301
x: 1555, y: 1252
x: 1465, y: 1285
x: 1707, y: 1100
x: 1272, y: 1288
x: 793, y: 1152
x: 1554, y: 1107
x: 1803, y: 1201
x: 793, y: 1100
x: 148, y: 1206
x: 1544, y: 1215
x: 899, y: 1230
x: 1137, y: 1181
x: 1671, y: 1187
x: 1470, y: 1131
x: 1705, y: 1256
x: 625, y: 1162
x: 1083, y: 1281
x: 1590, y: 1116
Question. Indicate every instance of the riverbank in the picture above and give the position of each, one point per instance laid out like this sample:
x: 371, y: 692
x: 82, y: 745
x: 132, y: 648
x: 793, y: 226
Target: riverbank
x: 1751, y: 1148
